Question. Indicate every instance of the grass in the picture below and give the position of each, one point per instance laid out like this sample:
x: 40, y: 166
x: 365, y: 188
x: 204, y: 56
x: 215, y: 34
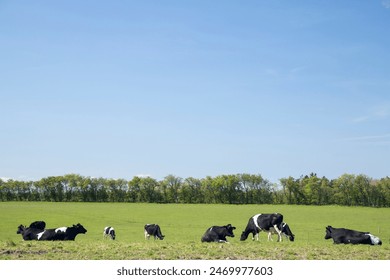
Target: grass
x: 183, y: 225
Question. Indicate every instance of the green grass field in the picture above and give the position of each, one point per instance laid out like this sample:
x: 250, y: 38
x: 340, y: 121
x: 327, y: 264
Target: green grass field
x: 183, y: 225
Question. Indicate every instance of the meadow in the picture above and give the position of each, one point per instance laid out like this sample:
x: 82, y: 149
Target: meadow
x: 183, y: 225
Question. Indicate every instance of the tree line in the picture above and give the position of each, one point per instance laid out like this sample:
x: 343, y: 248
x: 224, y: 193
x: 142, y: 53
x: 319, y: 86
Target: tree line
x: 348, y: 189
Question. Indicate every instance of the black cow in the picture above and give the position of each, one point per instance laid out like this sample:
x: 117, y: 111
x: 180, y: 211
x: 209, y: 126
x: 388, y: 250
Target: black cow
x: 153, y: 230
x: 31, y: 232
x: 38, y: 225
x: 28, y: 233
x: 109, y: 232
x: 218, y: 233
x: 62, y: 233
x: 271, y: 223
x: 348, y: 236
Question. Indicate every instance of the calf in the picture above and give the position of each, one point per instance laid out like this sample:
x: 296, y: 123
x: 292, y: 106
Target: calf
x: 271, y: 223
x: 153, y: 230
x: 109, y: 232
x: 218, y: 233
x: 62, y: 233
x: 348, y: 236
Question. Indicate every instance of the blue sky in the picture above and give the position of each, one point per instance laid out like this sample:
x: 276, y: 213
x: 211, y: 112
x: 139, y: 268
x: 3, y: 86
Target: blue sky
x: 118, y: 89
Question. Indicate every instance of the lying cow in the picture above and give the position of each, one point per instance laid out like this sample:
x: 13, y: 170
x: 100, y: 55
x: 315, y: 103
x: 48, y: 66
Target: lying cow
x: 218, y: 233
x: 271, y: 223
x: 62, y: 233
x: 348, y: 236
x: 153, y: 230
x: 28, y: 233
x: 109, y: 232
x: 31, y: 232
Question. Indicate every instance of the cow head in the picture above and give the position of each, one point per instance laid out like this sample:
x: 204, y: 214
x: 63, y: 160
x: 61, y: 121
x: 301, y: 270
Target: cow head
x: 287, y: 231
x: 375, y: 240
x: 229, y: 229
x: 328, y: 232
x: 244, y: 236
x: 112, y: 233
x: 21, y: 229
x: 80, y: 228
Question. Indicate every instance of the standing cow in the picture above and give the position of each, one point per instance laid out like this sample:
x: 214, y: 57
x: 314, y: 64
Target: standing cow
x: 218, y: 233
x: 271, y: 223
x: 348, y: 236
x: 109, y: 232
x: 153, y: 230
x: 286, y: 232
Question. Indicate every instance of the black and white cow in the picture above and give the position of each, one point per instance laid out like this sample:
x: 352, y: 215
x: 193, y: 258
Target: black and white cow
x: 271, y: 223
x: 28, y: 233
x: 348, y: 236
x: 286, y: 232
x: 31, y: 232
x: 62, y: 233
x: 109, y: 232
x: 153, y: 230
x: 218, y: 233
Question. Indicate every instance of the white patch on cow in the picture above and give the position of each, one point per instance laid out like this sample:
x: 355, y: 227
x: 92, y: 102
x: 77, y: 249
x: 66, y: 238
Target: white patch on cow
x: 374, y: 239
x: 255, y: 217
x: 61, y: 229
x: 39, y: 235
x: 108, y: 234
x: 279, y: 232
x: 270, y: 232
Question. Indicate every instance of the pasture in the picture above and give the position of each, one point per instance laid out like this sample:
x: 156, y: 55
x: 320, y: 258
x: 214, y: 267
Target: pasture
x: 183, y: 225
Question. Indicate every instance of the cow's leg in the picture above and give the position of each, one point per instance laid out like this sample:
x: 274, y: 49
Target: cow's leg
x: 270, y: 236
x: 279, y: 232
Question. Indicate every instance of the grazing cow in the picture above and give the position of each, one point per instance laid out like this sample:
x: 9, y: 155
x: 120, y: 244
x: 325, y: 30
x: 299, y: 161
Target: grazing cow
x: 109, y: 232
x: 153, y: 230
x: 271, y: 223
x: 31, y: 232
x: 348, y: 236
x: 218, y: 233
x: 62, y: 233
x: 286, y: 232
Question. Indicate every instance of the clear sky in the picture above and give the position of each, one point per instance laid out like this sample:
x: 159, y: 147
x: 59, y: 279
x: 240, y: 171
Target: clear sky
x: 118, y: 89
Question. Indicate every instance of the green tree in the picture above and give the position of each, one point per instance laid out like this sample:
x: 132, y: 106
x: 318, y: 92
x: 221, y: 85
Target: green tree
x: 191, y: 191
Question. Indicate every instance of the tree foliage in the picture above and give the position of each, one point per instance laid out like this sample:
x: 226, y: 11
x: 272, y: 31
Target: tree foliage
x: 348, y: 189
